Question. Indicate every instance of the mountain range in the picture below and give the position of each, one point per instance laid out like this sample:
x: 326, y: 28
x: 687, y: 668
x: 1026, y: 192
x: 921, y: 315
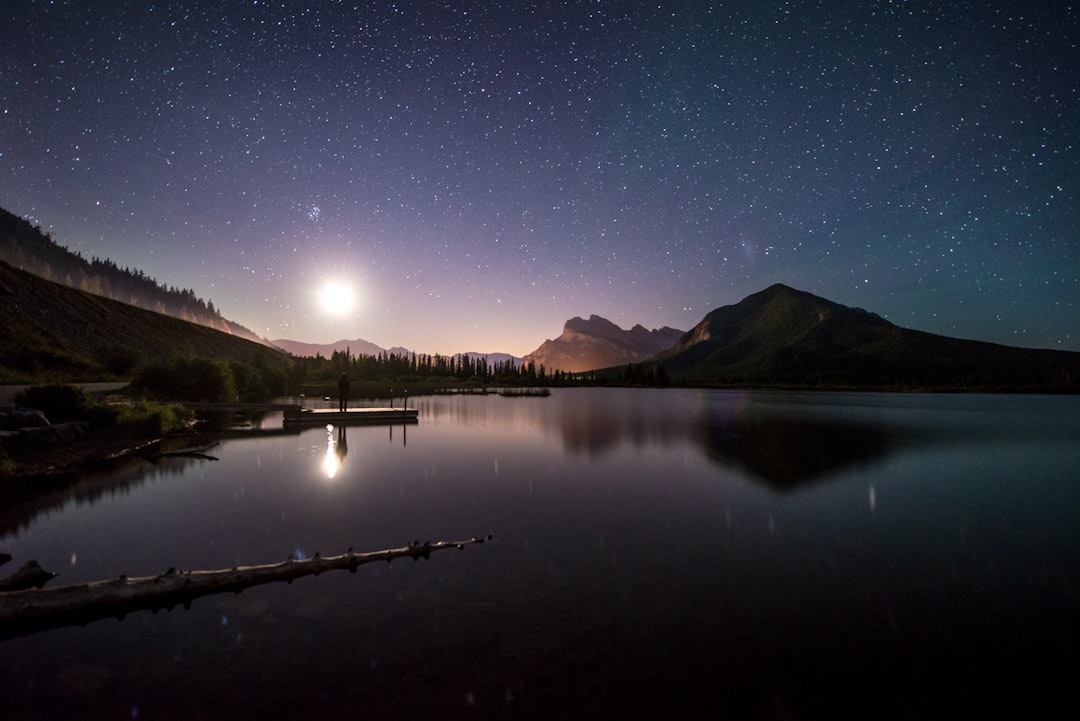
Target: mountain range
x: 777, y: 337
x: 356, y: 347
x: 584, y: 345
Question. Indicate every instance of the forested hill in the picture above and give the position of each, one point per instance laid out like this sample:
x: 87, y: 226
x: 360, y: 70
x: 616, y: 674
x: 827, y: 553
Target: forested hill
x: 786, y: 337
x: 52, y: 333
x: 24, y: 246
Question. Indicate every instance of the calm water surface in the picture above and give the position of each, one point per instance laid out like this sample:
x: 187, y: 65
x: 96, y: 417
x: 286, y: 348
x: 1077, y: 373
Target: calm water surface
x: 711, y: 554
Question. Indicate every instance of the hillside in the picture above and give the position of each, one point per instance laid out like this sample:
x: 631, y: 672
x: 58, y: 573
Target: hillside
x: 25, y: 247
x: 598, y: 343
x: 51, y: 331
x: 782, y: 336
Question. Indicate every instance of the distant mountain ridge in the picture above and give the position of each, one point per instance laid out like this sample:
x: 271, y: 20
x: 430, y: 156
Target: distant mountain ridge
x: 357, y: 346
x: 784, y: 336
x: 492, y: 359
x: 598, y: 343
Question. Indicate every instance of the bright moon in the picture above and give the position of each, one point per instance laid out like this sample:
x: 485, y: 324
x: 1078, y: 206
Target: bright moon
x: 336, y: 298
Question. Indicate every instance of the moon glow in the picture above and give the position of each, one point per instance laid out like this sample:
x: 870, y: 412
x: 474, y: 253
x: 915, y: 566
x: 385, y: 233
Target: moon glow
x: 336, y: 298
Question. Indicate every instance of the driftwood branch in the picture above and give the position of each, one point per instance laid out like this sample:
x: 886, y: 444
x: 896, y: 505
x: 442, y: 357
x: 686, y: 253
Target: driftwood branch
x: 29, y: 611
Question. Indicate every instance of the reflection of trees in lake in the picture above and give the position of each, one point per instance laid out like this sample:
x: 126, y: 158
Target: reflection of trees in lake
x: 22, y: 502
x: 786, y: 452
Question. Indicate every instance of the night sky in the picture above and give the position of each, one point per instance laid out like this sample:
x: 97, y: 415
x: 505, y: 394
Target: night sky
x: 477, y: 173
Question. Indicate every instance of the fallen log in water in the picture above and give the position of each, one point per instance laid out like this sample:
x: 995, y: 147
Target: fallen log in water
x: 29, y: 611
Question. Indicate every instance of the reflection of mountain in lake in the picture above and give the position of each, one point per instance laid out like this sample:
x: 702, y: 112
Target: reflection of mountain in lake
x: 787, y: 452
x: 776, y: 441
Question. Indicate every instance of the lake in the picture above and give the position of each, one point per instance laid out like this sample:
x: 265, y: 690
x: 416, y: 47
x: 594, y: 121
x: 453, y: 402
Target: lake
x: 705, y: 554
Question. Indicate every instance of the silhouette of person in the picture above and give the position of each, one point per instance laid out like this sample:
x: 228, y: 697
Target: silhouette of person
x: 343, y: 392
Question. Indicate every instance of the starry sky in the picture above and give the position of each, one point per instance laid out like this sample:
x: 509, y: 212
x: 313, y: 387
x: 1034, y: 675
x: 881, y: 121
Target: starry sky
x: 473, y: 174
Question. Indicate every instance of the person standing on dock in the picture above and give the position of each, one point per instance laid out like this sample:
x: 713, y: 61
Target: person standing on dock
x: 343, y: 392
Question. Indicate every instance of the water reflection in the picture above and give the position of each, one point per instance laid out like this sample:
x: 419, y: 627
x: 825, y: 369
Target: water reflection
x: 597, y: 431
x: 766, y: 436
x: 787, y: 452
x: 342, y: 444
x: 336, y: 450
x: 22, y: 503
x: 641, y: 568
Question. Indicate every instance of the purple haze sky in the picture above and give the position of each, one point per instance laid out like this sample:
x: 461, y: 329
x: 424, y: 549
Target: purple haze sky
x: 479, y: 172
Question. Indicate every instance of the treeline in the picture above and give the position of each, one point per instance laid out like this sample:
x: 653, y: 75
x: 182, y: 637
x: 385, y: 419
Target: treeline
x: 185, y: 378
x: 430, y: 369
x: 645, y: 374
x: 190, y: 378
x: 370, y: 376
x: 26, y: 247
x: 419, y: 373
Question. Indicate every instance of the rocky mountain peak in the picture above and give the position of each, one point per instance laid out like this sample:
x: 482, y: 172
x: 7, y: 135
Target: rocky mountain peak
x: 599, y: 343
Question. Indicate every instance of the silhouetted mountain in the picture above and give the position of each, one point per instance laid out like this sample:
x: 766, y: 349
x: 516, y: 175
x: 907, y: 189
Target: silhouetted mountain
x: 599, y: 343
x: 783, y: 336
x: 25, y: 247
x: 48, y: 330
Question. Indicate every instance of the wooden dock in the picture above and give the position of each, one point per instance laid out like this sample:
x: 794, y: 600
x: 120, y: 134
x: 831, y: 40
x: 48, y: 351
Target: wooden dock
x: 352, y: 416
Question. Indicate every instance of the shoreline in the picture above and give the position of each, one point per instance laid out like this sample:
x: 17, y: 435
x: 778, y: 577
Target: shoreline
x: 63, y: 460
x: 50, y: 464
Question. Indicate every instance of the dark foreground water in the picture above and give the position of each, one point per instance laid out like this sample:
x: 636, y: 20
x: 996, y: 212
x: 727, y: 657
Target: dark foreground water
x: 658, y: 554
